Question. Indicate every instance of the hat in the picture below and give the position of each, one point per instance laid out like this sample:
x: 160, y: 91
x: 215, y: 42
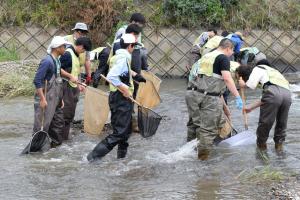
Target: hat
x: 128, y: 38
x: 57, y: 41
x: 240, y: 35
x: 80, y: 26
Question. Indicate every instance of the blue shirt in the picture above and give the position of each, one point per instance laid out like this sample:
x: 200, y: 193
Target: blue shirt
x: 237, y: 41
x: 48, y: 67
x: 120, y: 67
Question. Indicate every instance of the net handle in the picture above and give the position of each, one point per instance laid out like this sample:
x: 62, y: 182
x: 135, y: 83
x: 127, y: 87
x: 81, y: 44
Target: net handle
x: 43, y: 109
x: 133, y: 100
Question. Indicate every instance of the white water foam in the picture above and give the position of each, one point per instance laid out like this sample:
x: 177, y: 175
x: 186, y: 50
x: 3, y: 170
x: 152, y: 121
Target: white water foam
x: 185, y: 152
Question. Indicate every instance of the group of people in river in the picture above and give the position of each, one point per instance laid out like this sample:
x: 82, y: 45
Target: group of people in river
x: 218, y: 64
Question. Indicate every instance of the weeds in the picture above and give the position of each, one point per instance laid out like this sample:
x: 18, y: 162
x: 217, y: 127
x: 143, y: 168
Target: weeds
x: 9, y: 54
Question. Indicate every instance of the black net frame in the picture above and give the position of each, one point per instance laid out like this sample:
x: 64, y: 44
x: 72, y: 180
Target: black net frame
x: 37, y: 142
x: 148, y: 121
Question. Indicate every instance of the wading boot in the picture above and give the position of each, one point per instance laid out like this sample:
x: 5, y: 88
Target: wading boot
x: 135, y: 127
x: 262, y: 147
x: 121, y: 153
x: 98, y: 152
x: 203, y: 154
x: 278, y: 147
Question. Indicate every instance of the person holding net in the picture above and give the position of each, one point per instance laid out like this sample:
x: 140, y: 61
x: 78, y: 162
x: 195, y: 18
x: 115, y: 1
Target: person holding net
x: 120, y: 77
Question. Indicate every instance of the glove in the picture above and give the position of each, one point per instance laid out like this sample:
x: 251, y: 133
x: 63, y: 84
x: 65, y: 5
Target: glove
x: 88, y: 80
x: 139, y: 78
x: 239, y: 102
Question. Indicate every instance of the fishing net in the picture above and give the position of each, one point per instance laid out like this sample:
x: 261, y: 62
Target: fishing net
x: 96, y: 110
x: 147, y: 95
x: 148, y: 121
x: 37, y: 142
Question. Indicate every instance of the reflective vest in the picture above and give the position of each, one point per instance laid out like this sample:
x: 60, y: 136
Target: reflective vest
x: 111, y: 64
x: 209, y: 81
x: 82, y: 56
x: 95, y: 53
x: 275, y: 77
x: 75, y: 66
x: 253, y: 50
x: 213, y: 42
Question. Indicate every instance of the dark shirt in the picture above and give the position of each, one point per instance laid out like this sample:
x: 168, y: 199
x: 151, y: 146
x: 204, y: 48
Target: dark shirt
x: 221, y: 63
x: 44, y: 72
x: 66, y: 60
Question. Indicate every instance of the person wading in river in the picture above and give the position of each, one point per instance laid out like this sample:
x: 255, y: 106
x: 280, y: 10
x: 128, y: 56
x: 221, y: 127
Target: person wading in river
x: 81, y: 30
x: 70, y: 68
x: 205, y: 105
x: 121, y: 107
x: 49, y: 69
x: 274, y: 104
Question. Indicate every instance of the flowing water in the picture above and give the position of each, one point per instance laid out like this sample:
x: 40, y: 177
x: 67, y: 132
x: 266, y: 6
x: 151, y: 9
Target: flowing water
x: 162, y: 167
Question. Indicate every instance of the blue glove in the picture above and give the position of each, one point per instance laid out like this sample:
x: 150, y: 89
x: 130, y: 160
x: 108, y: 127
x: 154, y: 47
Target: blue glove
x: 239, y: 102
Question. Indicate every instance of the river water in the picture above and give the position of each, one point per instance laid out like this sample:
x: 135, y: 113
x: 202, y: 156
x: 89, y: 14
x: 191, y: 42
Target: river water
x: 162, y: 167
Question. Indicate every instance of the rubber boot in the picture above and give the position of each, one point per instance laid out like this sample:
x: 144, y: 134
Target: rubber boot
x: 122, y: 150
x: 203, y: 154
x: 98, y: 152
x: 121, y: 153
x: 262, y: 147
x: 278, y: 147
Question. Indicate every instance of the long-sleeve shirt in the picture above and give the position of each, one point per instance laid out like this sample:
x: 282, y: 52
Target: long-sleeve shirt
x: 238, y: 42
x: 120, y: 67
x: 48, y: 67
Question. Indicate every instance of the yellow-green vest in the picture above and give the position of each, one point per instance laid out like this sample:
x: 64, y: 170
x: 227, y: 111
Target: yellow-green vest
x: 75, y: 66
x: 207, y: 62
x: 207, y: 80
x: 82, y: 56
x: 275, y: 77
x: 213, y: 42
x: 111, y: 64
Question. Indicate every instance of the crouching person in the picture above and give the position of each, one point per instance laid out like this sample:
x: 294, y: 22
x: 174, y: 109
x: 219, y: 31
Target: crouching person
x: 274, y: 104
x: 71, y: 69
x: 121, y: 106
x: 51, y: 103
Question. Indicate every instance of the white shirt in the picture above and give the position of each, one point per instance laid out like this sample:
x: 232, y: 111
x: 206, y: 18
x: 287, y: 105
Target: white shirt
x: 258, y: 75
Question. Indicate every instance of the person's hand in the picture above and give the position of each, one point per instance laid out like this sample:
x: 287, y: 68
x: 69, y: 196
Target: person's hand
x: 139, y: 78
x: 43, y: 103
x: 247, y: 109
x: 62, y: 104
x: 242, y: 83
x: 126, y: 93
x: 239, y: 102
x: 81, y: 88
x: 74, y: 79
x: 88, y: 79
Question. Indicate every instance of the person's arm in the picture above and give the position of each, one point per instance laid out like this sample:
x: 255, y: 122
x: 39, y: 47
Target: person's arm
x: 87, y: 66
x: 114, y: 76
x: 253, y: 106
x: 39, y: 78
x: 230, y: 83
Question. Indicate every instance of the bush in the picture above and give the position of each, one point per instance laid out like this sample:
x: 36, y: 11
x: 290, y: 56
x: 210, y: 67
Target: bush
x: 193, y: 13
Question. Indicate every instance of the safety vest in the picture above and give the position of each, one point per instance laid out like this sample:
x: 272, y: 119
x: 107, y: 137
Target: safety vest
x: 207, y: 80
x: 112, y: 63
x: 75, y: 66
x: 275, y: 77
x: 95, y: 53
x: 82, y: 56
x: 213, y: 42
x: 253, y: 50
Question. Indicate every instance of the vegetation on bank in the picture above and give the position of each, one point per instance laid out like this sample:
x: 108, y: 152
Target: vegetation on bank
x: 104, y: 16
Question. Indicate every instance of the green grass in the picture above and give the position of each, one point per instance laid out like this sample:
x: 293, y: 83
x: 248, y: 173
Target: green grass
x: 9, y: 54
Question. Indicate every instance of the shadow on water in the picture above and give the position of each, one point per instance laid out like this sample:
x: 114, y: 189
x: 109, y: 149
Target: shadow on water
x: 162, y: 167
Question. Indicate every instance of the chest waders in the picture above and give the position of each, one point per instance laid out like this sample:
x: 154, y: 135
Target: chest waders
x: 53, y: 110
x: 121, y: 115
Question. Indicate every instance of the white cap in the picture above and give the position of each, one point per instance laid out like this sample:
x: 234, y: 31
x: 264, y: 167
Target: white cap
x: 128, y: 38
x: 57, y: 41
x: 80, y: 26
